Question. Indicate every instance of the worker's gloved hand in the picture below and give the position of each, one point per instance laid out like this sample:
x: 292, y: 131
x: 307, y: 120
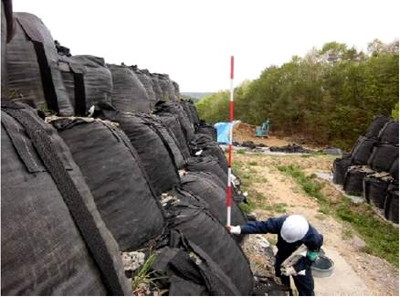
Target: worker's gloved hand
x: 288, y: 271
x: 233, y: 229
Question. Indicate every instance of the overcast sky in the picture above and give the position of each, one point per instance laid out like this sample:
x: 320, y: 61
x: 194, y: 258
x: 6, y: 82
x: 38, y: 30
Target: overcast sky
x: 192, y: 41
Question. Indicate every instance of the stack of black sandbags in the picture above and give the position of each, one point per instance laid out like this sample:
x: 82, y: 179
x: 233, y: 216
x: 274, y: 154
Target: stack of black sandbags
x: 193, y: 218
x: 110, y: 165
x: 53, y: 239
x: 371, y: 169
x: 106, y: 178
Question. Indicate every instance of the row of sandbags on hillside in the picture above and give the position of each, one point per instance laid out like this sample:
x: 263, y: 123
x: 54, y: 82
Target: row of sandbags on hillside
x: 79, y: 191
x: 372, y: 168
x: 39, y: 73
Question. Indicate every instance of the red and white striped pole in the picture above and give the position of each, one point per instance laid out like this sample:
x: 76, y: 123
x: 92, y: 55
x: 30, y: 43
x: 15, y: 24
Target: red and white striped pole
x: 229, y: 187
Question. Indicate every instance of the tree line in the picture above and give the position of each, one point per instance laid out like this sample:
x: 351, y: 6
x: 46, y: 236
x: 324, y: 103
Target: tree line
x: 329, y: 96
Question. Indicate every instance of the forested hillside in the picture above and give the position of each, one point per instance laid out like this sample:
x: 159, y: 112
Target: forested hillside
x: 329, y: 96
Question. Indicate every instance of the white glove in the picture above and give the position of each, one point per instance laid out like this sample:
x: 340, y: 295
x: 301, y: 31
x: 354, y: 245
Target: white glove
x: 234, y: 229
x: 288, y: 271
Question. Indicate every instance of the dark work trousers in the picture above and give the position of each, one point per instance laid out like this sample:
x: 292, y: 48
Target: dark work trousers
x: 304, y: 283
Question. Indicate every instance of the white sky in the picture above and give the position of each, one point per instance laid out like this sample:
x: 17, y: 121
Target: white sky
x: 193, y: 40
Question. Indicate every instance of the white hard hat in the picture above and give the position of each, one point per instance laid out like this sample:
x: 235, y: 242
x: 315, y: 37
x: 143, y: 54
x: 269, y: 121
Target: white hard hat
x: 294, y: 228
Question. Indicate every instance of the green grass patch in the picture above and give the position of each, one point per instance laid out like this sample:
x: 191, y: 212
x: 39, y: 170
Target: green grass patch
x: 381, y: 237
x: 247, y: 208
x: 277, y: 207
x: 307, y: 183
x: 253, y: 163
x: 240, y: 152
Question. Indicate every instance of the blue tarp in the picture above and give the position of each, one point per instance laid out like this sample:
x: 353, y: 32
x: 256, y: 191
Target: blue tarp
x: 223, y: 131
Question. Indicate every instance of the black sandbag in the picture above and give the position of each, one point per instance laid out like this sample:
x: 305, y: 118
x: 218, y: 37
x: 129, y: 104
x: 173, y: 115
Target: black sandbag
x: 392, y: 204
x: 362, y: 150
x: 340, y: 166
x: 375, y: 187
x: 207, y: 129
x: 390, y: 133
x: 207, y: 164
x: 53, y: 240
x: 167, y: 88
x: 170, y: 142
x: 376, y: 126
x: 153, y: 153
x: 383, y: 156
x: 175, y: 108
x: 129, y: 94
x: 204, y: 145
x: 186, y: 108
x: 97, y: 79
x: 203, y: 229
x: 176, y: 89
x: 353, y: 180
x: 116, y: 178
x: 174, y: 126
x: 190, y: 270
x: 144, y: 76
x: 204, y: 186
x: 33, y: 74
x: 210, y: 165
x: 195, y: 114
x: 156, y: 86
x: 394, y: 169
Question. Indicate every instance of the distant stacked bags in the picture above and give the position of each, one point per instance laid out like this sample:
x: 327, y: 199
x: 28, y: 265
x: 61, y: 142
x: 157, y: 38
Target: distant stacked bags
x: 90, y: 188
x: 372, y: 168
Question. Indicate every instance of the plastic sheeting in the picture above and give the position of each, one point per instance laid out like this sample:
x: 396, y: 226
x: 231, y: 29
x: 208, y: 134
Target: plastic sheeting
x: 45, y: 249
x: 129, y: 94
x: 114, y: 174
x: 33, y: 74
x: 223, y: 130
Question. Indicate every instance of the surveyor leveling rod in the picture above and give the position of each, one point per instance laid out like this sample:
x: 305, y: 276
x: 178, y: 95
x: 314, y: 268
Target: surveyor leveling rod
x: 229, y: 187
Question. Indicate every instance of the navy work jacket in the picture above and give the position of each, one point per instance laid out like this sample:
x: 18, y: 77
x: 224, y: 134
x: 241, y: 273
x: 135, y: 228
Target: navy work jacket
x: 312, y: 240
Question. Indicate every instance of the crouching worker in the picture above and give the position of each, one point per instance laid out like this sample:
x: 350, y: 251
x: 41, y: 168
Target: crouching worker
x: 292, y: 231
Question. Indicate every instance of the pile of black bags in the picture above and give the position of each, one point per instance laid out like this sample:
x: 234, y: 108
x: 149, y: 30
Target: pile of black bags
x: 89, y: 153
x: 372, y: 168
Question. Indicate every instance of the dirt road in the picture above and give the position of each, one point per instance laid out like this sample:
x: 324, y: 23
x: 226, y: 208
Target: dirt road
x: 356, y: 272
